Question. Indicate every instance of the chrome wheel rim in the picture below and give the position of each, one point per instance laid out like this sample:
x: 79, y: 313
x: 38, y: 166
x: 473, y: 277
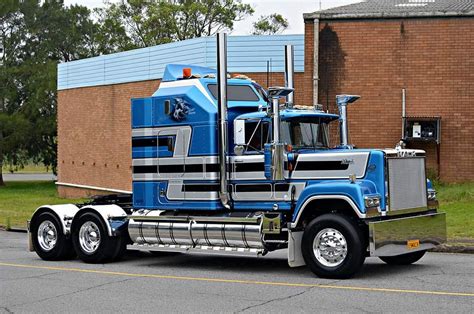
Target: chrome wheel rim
x: 330, y: 247
x: 47, y: 235
x: 89, y: 237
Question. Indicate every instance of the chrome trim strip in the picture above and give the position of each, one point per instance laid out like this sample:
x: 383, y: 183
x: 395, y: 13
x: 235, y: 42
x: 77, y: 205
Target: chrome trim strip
x: 197, y: 248
x: 342, y: 197
x: 252, y: 220
x: 91, y: 187
x: 406, y: 211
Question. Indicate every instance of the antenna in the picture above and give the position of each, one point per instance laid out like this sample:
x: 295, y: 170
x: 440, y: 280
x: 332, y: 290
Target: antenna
x: 268, y: 73
x: 271, y: 72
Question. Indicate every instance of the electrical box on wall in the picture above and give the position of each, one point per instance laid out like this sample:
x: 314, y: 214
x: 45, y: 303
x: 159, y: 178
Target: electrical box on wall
x: 422, y: 129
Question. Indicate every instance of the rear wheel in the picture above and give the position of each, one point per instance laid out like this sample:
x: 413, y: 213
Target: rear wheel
x: 405, y: 259
x: 92, y: 242
x: 49, y: 240
x: 333, y: 246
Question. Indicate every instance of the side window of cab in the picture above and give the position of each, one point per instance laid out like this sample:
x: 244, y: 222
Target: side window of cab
x: 256, y: 134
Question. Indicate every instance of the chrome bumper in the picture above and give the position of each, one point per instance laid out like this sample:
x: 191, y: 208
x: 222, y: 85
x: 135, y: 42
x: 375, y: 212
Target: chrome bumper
x: 405, y: 235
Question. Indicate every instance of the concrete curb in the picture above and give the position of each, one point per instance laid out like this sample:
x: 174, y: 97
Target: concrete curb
x: 454, y: 248
x: 20, y: 230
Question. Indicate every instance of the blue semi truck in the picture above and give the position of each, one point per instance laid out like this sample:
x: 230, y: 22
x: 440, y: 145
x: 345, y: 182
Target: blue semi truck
x: 222, y: 165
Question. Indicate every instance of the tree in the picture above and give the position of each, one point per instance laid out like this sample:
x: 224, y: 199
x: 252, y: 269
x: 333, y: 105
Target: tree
x: 270, y: 25
x: 142, y: 23
x: 35, y: 36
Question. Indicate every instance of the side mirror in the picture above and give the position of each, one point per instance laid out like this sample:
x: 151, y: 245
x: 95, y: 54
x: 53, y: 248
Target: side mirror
x: 239, y: 132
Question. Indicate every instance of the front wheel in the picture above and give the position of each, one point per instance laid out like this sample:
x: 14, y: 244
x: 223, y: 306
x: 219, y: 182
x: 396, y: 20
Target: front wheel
x: 333, y: 246
x: 405, y: 259
x: 92, y: 242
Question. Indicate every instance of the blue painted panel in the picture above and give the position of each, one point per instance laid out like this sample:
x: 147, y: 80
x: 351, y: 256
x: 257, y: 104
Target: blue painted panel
x: 204, y: 140
x: 376, y: 174
x: 145, y: 194
x: 142, y: 112
x: 335, y: 187
x: 245, y: 54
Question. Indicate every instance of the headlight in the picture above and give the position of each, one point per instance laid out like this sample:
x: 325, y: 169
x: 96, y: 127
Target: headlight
x: 431, y: 194
x: 372, y: 201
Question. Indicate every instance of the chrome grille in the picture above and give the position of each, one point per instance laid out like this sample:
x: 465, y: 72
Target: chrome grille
x: 406, y: 183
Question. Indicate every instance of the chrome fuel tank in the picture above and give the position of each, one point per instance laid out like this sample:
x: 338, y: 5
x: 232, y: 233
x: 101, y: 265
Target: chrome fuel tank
x: 192, y: 233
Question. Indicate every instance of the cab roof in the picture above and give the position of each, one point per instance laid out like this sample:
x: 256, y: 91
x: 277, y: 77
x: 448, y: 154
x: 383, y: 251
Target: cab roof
x: 287, y: 114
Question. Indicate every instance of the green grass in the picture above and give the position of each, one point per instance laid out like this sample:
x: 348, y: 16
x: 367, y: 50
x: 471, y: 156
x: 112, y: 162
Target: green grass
x: 18, y: 201
x: 29, y: 168
x: 457, y: 200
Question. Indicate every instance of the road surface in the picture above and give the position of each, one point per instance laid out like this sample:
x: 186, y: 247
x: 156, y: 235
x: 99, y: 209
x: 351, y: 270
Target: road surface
x: 178, y: 282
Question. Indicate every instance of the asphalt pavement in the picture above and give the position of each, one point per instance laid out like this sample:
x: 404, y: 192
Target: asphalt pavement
x: 183, y: 282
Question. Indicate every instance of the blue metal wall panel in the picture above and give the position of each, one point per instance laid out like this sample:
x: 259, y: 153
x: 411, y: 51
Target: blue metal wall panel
x: 245, y: 54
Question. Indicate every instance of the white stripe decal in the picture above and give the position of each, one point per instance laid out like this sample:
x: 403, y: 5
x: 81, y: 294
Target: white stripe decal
x: 181, y: 83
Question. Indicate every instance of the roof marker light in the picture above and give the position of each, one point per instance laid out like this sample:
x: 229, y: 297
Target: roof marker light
x: 186, y: 72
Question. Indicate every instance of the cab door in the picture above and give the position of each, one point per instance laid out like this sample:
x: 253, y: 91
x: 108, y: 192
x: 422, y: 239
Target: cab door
x: 249, y: 184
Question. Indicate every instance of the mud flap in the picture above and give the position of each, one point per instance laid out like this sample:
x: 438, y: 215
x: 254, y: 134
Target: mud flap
x: 30, y: 239
x: 295, y: 257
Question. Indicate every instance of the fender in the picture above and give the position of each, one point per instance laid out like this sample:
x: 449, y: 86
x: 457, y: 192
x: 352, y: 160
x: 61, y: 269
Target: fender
x: 64, y: 213
x: 106, y: 212
x: 352, y: 193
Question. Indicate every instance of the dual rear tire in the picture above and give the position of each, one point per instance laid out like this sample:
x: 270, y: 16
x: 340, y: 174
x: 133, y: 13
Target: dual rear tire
x: 48, y: 238
x: 92, y: 242
x: 89, y: 239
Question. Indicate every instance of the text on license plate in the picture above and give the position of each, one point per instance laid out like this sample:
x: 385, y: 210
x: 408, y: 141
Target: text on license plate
x: 413, y: 244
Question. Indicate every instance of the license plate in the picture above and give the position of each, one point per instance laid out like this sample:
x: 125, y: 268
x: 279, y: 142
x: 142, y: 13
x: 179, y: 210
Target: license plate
x: 413, y: 244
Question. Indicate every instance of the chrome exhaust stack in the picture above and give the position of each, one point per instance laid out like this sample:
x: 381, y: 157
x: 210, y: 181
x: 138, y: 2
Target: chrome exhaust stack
x: 222, y: 117
x: 289, y: 74
x: 274, y: 152
x: 342, y: 102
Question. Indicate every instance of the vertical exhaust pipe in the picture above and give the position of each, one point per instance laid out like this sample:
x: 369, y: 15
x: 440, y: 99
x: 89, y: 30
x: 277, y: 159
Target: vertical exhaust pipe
x: 289, y: 73
x: 342, y: 102
x: 222, y: 117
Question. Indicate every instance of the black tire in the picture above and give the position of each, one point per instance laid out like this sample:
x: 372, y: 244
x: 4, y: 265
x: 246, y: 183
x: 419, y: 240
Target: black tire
x: 405, y: 259
x: 345, y: 265
x: 61, y: 250
x: 108, y: 248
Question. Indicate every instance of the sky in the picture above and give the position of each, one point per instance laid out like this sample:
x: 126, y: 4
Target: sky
x: 292, y: 10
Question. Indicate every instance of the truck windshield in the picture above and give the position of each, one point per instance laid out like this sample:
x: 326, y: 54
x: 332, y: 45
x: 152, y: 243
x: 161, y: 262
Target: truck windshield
x: 303, y: 134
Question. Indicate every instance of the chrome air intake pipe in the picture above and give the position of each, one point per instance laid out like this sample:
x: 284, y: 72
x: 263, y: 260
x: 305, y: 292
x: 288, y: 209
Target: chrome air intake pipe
x: 289, y: 73
x: 222, y: 117
x: 342, y: 102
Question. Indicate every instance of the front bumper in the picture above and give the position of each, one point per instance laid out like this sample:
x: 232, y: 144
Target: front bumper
x: 405, y: 235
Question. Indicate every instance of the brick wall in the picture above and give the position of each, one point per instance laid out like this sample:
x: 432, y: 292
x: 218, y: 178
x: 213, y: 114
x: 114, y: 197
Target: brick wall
x: 431, y: 58
x: 94, y: 134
